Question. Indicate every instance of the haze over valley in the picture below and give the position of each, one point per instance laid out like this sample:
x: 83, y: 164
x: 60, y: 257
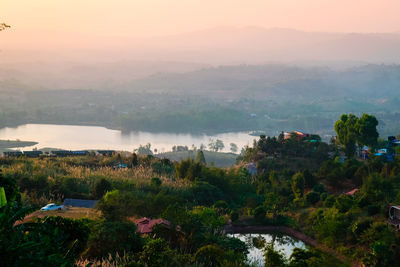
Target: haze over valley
x: 260, y: 133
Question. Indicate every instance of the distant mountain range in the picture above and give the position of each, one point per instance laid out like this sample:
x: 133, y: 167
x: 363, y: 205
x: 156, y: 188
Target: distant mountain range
x: 279, y: 81
x: 109, y: 62
x: 223, y: 45
x: 260, y: 45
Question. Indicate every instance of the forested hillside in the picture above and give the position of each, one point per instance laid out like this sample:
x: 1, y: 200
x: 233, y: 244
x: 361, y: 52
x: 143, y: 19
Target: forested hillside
x: 223, y: 99
x: 306, y: 185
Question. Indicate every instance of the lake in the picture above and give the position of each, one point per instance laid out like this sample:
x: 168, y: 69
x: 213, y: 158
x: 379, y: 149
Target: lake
x: 283, y: 243
x: 74, y: 137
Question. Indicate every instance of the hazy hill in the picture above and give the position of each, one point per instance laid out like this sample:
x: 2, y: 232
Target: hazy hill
x: 87, y: 75
x: 228, y: 45
x: 279, y: 82
x: 100, y: 62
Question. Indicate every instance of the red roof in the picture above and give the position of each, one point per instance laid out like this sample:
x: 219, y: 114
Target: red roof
x: 350, y: 193
x: 300, y: 134
x: 145, y: 225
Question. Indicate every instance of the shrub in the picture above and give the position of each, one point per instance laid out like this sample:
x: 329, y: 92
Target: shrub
x: 221, y: 206
x: 298, y: 184
x: 273, y: 258
x: 323, y: 196
x: 210, y: 255
x: 259, y: 213
x: 155, y: 182
x: 363, y: 201
x: 113, y: 237
x: 343, y: 203
x: 360, y: 226
x: 158, y: 253
x: 116, y: 205
x: 329, y: 201
x: 100, y: 188
x: 319, y: 188
x: 203, y: 193
x: 234, y: 215
x: 373, y: 209
x: 312, y: 197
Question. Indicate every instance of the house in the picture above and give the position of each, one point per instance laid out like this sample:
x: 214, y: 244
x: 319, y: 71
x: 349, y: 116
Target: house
x: 61, y: 153
x: 299, y: 135
x: 12, y: 154
x: 33, y: 153
x: 120, y: 166
x: 352, y: 192
x: 82, y: 203
x: 394, y: 216
x: 145, y: 225
x: 80, y: 153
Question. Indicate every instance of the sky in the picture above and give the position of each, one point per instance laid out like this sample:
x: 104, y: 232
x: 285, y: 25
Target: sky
x: 168, y: 17
x: 74, y: 29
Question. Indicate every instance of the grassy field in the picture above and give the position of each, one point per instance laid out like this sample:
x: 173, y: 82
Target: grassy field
x: 219, y: 159
x: 72, y: 212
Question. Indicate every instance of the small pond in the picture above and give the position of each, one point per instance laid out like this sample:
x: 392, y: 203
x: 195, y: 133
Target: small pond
x: 282, y: 243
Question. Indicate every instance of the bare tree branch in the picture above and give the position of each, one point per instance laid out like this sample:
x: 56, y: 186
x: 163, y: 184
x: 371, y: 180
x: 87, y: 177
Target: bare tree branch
x: 4, y: 26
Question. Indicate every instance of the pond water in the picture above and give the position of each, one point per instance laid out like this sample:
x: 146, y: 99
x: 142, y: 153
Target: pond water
x: 73, y: 137
x: 283, y: 243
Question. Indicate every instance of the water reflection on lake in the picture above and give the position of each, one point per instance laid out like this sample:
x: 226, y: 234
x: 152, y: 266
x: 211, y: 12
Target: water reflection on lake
x: 282, y: 243
x: 73, y: 137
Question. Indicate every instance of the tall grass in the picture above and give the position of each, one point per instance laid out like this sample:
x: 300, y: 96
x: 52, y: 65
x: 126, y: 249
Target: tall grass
x: 115, y: 261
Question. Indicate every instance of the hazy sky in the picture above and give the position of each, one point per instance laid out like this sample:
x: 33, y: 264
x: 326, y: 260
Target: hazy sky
x: 161, y: 17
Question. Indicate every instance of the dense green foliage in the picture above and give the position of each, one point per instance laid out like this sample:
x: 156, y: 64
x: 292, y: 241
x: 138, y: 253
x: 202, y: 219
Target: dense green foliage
x: 351, y: 130
x: 217, y: 99
x: 299, y: 183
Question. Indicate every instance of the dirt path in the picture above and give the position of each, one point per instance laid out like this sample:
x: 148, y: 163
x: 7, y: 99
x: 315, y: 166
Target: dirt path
x: 72, y: 212
x: 294, y: 233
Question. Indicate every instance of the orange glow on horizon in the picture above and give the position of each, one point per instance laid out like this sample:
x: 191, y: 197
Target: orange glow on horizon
x: 162, y: 17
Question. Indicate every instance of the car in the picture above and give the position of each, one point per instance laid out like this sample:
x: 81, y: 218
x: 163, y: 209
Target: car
x: 52, y: 206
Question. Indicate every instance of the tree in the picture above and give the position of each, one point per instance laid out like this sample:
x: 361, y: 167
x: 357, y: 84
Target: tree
x: 116, y: 205
x: 135, y: 160
x: 108, y: 237
x: 259, y: 213
x: 144, y: 150
x: 101, y: 188
x: 351, y: 130
x: 216, y: 145
x: 234, y: 147
x: 158, y: 253
x: 367, y: 133
x: 298, y: 184
x: 200, y: 157
x: 210, y: 255
x: 347, y: 133
x: 272, y: 257
x: 3, y: 199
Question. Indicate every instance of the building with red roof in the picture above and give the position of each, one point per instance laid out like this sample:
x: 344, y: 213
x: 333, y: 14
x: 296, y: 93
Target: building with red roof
x: 352, y: 192
x: 145, y: 225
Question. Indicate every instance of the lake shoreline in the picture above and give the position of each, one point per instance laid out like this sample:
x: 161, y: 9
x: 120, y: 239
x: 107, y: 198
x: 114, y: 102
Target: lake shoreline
x: 90, y: 137
x: 6, y: 145
x: 128, y: 130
